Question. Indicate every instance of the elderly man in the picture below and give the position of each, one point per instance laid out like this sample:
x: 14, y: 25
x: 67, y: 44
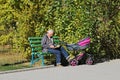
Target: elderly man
x: 49, y: 46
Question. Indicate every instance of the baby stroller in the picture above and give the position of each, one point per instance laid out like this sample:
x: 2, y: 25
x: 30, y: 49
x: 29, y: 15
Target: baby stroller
x: 82, y: 57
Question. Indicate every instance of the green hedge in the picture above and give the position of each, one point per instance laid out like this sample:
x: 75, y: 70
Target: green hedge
x: 72, y: 20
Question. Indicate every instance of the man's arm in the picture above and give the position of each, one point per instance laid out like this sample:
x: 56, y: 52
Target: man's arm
x: 44, y: 42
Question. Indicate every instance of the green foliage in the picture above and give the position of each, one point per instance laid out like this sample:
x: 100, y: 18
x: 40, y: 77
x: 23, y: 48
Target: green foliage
x: 72, y: 20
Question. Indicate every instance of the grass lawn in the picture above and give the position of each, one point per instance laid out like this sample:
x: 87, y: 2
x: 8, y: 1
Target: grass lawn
x: 6, y: 58
x: 14, y: 67
x: 11, y: 61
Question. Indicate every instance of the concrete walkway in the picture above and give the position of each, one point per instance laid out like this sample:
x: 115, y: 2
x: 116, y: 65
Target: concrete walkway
x: 102, y: 71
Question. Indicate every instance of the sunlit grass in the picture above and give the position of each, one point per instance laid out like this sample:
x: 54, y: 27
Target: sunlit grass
x: 14, y: 67
x: 10, y: 58
x: 7, y: 56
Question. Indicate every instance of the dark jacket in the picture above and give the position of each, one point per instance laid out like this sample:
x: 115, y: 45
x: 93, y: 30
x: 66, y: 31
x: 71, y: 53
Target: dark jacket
x: 46, y: 42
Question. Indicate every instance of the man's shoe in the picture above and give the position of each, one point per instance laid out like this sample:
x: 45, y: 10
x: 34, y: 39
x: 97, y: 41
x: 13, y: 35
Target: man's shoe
x: 59, y: 65
x: 70, y: 58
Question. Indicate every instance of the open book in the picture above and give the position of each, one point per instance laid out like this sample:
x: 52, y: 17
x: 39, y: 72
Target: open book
x: 57, y: 46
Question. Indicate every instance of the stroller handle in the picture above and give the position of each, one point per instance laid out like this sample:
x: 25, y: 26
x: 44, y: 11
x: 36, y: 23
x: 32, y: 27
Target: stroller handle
x: 63, y: 43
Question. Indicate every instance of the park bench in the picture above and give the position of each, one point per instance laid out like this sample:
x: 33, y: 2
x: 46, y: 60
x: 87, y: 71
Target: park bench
x: 36, y: 49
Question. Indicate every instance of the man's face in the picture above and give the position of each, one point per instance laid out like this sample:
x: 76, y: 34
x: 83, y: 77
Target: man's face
x: 50, y: 34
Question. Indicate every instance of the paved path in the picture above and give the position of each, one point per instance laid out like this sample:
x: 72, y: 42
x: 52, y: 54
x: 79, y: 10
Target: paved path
x: 102, y: 71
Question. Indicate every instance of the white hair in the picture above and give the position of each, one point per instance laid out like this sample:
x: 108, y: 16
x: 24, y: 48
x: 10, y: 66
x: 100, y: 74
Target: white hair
x: 49, y: 31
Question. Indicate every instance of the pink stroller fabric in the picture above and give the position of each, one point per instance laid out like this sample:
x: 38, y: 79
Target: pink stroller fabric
x: 84, y: 42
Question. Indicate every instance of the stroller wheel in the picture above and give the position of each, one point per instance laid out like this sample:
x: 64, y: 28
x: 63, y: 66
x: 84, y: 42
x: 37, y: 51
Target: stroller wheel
x: 89, y: 61
x: 73, y: 62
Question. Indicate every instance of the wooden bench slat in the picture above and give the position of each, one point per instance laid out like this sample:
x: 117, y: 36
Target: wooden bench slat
x: 36, y: 45
x: 34, y: 42
x: 56, y: 40
x: 34, y: 38
x: 37, y: 49
x: 55, y: 37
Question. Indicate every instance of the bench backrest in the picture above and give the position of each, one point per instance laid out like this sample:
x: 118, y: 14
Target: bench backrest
x: 35, y: 43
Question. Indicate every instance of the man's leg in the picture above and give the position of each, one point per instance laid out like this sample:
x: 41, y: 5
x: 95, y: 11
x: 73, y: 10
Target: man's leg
x: 57, y: 53
x: 64, y: 52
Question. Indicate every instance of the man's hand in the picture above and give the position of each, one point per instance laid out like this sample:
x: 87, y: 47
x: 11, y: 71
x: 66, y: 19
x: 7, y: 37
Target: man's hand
x: 52, y: 46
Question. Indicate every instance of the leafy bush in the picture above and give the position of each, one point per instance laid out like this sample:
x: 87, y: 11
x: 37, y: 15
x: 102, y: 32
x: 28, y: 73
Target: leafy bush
x: 72, y: 20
